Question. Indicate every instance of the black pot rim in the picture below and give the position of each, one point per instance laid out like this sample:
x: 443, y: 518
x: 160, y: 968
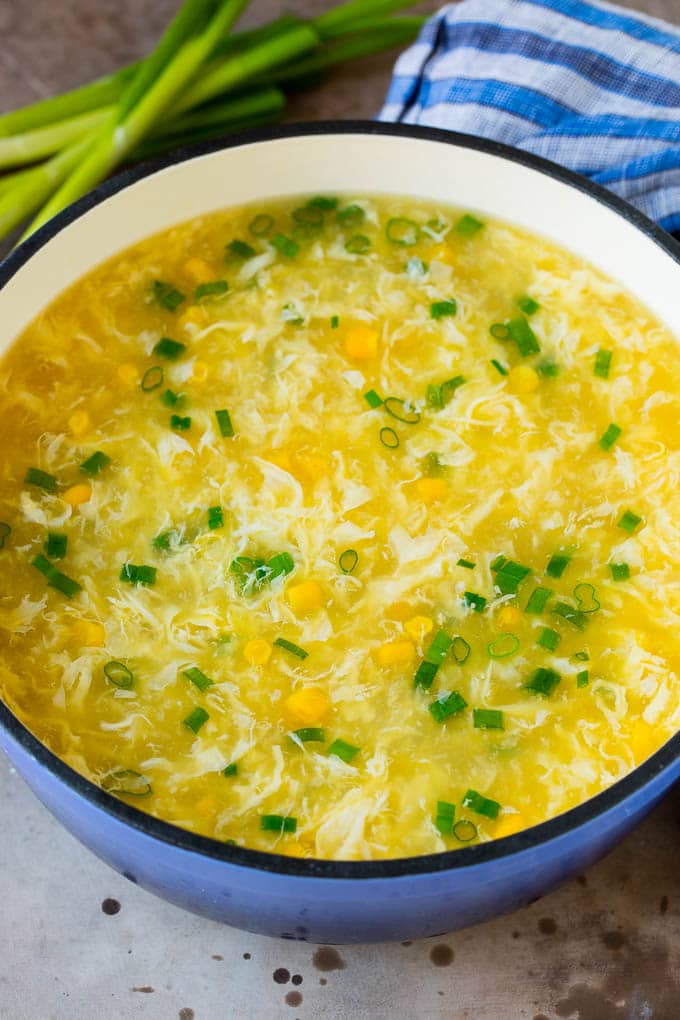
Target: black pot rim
x: 260, y: 860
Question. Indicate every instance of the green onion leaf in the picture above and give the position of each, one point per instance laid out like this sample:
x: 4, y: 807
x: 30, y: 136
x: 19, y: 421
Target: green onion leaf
x: 619, y: 571
x: 216, y: 288
x: 119, y: 675
x: 445, y: 817
x: 473, y: 601
x: 348, y: 560
x: 5, y: 532
x: 557, y: 564
x: 224, y: 423
x: 358, y: 244
x: 548, y: 369
x: 586, y: 598
x: 389, y: 438
x: 469, y: 225
x: 180, y: 423
x: 198, y: 678
x: 170, y: 349
x: 487, y: 719
x: 503, y: 646
x: 288, y: 646
x: 170, y: 398
x: 481, y: 805
x: 571, y: 614
x: 549, y: 639
x: 280, y: 564
x: 230, y: 770
x: 310, y: 735
x: 55, y: 579
x: 96, y: 463
x: 278, y: 823
x: 167, y: 296
x: 603, y: 361
x: 629, y: 521
x: 439, y: 395
x: 431, y: 465
x: 126, y: 783
x: 500, y: 331
x: 501, y: 369
x: 372, y: 399
x: 465, y: 831
x: 237, y: 251
x: 41, y: 479
x: 582, y: 678
x: 165, y: 540
x: 341, y: 749
x: 285, y: 245
x: 402, y: 231
x: 351, y: 216
x: 440, y: 309
x: 308, y: 216
x: 468, y: 564
x: 609, y: 436
x: 335, y: 321
x: 525, y: 338
x: 509, y: 576
x: 415, y: 267
x: 425, y: 674
x: 537, y: 600
x: 438, y: 648
x: 447, y: 705
x: 56, y: 545
x: 215, y: 517
x: 327, y: 203
x: 399, y: 410
x: 527, y: 305
x: 197, y: 718
x: 138, y: 574
x: 542, y: 681
x: 261, y: 225
x: 580, y: 657
x: 152, y: 378
x: 460, y: 649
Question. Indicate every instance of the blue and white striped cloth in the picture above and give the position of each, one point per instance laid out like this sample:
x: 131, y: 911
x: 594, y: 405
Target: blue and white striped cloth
x: 585, y: 84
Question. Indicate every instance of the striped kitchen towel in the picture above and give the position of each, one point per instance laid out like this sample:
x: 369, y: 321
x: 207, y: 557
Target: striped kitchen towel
x: 585, y: 84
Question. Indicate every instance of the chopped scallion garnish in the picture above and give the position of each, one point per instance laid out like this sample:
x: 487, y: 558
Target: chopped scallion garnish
x: 167, y: 296
x: 280, y: 564
x: 261, y: 225
x: 55, y: 579
x: 402, y: 231
x: 335, y: 321
x: 441, y: 309
x: 487, y: 719
x: 197, y: 718
x: 549, y: 639
x: 348, y: 560
x: 431, y: 465
x: 469, y: 225
x: 126, y: 783
x: 445, y: 817
x: 467, y: 564
x: 288, y: 646
x: 460, y: 649
x: 165, y: 540
x: 278, y: 823
x: 557, y: 564
x: 481, y: 805
x: 619, y: 571
x: 138, y: 574
x: 230, y: 770
x: 238, y: 250
x: 501, y: 369
x: 499, y: 331
x: 509, y: 576
x: 119, y: 675
x: 465, y: 831
x: 171, y: 399
x: 548, y: 369
x: 168, y: 348
x: 523, y: 335
x: 152, y: 378
x: 425, y: 674
x: 310, y: 735
x: 96, y: 463
x: 609, y: 436
x: 5, y: 532
x: 543, y: 681
x: 351, y: 216
x: 582, y: 678
x: 341, y: 749
x: 537, y: 600
x: 603, y: 361
x: 372, y: 399
x: 389, y: 438
x: 285, y: 245
x: 198, y: 678
x: 571, y: 614
x: 447, y: 705
x: 215, y: 517
x: 56, y: 545
x: 580, y: 657
x: 216, y: 288
x: 180, y: 423
x: 41, y: 479
x: 471, y: 600
x: 358, y: 244
x: 415, y: 267
x: 527, y: 305
x: 629, y: 521
x: 400, y: 410
x: 438, y: 648
x: 438, y: 395
x: 503, y: 646
x: 224, y: 423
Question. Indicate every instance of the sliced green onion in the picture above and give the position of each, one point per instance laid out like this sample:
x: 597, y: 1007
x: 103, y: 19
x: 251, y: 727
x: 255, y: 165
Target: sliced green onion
x: 503, y: 646
x: 224, y: 423
x: 509, y: 577
x: 41, y: 479
x: 310, y: 735
x: 481, y: 805
x: 582, y: 678
x: 465, y: 831
x: 96, y: 463
x: 557, y: 564
x: 127, y: 783
x: 309, y: 215
x: 165, y: 540
x: 460, y: 649
x: 549, y: 639
x: 327, y: 203
x: 261, y: 225
x: 425, y: 674
x: 603, y: 362
x: 171, y: 399
x: 335, y: 321
x: 469, y: 225
x: 238, y: 251
x: 439, y: 395
x: 468, y: 564
x: 341, y: 749
x: 629, y: 522
x: 55, y: 579
x: 372, y: 398
x: 230, y: 770
x: 571, y: 614
x: 351, y: 216
x: 215, y: 517
x: 537, y: 600
x: 501, y: 369
x: 399, y: 410
x: 56, y: 545
x: 180, y: 423
x: 447, y: 705
x: 167, y: 296
x: 119, y: 674
x: 402, y: 231
x: 198, y: 678
x: 288, y: 646
x: 358, y: 244
x: 431, y: 465
x: 389, y: 438
x: 471, y: 600
x: 278, y: 823
x: 438, y: 647
x: 5, y: 532
x: 586, y: 597
x: 609, y: 436
x: 416, y: 267
x: 440, y: 309
x: 170, y: 349
x: 580, y: 657
x: 216, y: 288
x: 498, y: 563
x: 285, y: 245
x: 138, y: 574
x: 543, y: 681
x: 487, y: 719
x: 524, y: 336
x: 548, y: 369
x: 500, y: 331
x: 348, y: 560
x: 152, y: 378
x: 280, y: 564
x: 197, y: 718
x: 527, y: 305
x: 619, y: 571
x: 445, y: 817
x: 291, y: 315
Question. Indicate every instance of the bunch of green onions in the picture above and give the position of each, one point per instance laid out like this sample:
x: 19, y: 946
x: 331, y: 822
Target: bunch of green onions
x: 200, y: 82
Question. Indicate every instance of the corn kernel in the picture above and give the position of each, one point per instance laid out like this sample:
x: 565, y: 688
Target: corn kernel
x: 431, y: 490
x: 508, y: 825
x: 128, y: 374
x: 523, y: 379
x: 199, y: 372
x: 257, y: 652
x: 395, y: 653
x: 361, y: 342
x: 194, y: 316
x: 199, y: 270
x: 418, y: 627
x: 443, y: 253
x: 79, y: 423
x: 643, y: 741
x: 509, y: 617
x: 306, y: 706
x: 306, y: 597
x: 77, y: 494
x: 88, y: 632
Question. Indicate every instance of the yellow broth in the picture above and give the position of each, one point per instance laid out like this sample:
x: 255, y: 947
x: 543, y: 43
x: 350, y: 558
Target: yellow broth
x: 338, y: 522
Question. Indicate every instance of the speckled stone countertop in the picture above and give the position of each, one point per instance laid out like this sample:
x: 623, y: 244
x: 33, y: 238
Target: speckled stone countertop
x: 79, y: 942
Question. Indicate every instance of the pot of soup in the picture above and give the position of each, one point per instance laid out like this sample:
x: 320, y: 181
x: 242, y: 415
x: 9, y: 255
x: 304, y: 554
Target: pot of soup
x: 339, y: 521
